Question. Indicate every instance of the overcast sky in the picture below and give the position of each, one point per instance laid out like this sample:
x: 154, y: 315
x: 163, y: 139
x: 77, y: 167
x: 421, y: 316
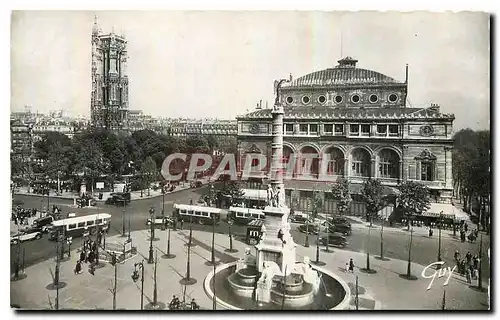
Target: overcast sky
x: 220, y: 64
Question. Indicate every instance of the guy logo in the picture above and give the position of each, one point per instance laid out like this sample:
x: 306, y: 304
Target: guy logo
x: 439, y: 273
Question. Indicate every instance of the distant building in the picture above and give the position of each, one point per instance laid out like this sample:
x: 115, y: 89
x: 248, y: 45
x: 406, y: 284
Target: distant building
x: 357, y: 121
x: 216, y: 127
x: 109, y: 96
x: 21, y: 142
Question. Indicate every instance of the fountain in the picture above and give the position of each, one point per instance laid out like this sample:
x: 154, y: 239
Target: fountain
x: 272, y: 279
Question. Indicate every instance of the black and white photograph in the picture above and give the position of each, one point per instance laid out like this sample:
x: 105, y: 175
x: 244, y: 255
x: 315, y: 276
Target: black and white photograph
x: 206, y: 160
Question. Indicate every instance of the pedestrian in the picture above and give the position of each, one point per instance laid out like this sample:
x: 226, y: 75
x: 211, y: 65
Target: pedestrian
x: 468, y: 256
x: 92, y: 269
x: 468, y: 275
x: 82, y: 255
x: 182, y: 223
x: 351, y: 266
x: 16, y: 270
x: 78, y: 267
x: 430, y: 232
x: 194, y: 305
x: 457, y: 256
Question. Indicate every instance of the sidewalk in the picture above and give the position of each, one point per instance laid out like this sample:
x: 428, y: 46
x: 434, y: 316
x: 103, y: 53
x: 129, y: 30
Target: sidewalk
x: 134, y: 195
x: 85, y: 291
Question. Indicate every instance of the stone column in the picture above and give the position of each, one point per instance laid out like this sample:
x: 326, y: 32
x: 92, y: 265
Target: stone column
x: 400, y: 177
x: 373, y: 171
x: 448, y: 175
x: 346, y: 167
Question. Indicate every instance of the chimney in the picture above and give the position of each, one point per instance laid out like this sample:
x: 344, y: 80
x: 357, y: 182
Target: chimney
x: 260, y: 104
x: 291, y: 78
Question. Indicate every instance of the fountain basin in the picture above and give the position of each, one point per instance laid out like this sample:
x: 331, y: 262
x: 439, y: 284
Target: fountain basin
x: 243, y: 281
x: 333, y: 294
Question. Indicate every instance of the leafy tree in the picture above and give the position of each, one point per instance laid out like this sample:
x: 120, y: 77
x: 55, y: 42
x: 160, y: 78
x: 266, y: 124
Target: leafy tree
x: 232, y: 190
x: 316, y: 203
x: 373, y: 197
x: 90, y: 160
x: 148, y: 172
x: 341, y: 195
x: 413, y: 198
x: 58, y: 163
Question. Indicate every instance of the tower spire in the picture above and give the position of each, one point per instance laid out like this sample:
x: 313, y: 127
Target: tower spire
x: 95, y: 27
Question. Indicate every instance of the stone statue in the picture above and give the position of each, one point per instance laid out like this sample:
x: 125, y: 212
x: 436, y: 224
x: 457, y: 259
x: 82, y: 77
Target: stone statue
x: 270, y: 196
x: 248, y: 260
x: 277, y: 87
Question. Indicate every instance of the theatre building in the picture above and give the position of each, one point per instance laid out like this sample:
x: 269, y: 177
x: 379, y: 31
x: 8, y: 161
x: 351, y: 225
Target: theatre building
x: 360, y: 119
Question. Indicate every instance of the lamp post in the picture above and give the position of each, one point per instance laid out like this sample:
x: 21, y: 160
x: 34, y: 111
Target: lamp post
x: 128, y: 227
x: 69, y: 241
x: 368, y: 248
x: 187, y: 280
x: 151, y: 258
x: 135, y: 277
x: 382, y: 238
x: 439, y: 239
x: 408, y: 270
x: 168, y: 255
x: 123, y: 220
x: 163, y: 206
x: 480, y: 277
x: 214, y: 298
x: 318, y: 262
x: 113, y: 262
x: 306, y: 244
x: 212, y: 260
x: 231, y: 249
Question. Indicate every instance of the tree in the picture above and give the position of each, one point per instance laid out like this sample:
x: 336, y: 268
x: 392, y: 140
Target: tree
x: 341, y: 195
x: 89, y: 160
x: 148, y: 172
x: 58, y: 162
x: 232, y: 190
x: 316, y: 203
x: 413, y: 198
x: 373, y: 197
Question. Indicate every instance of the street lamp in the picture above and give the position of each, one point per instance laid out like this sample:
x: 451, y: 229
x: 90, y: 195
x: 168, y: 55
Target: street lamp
x: 69, y: 241
x: 168, y: 255
x: 123, y: 220
x: 163, y: 206
x: 318, y: 262
x: 231, y: 249
x: 306, y: 244
x: 439, y: 239
x: 212, y: 261
x: 135, y: 277
x: 151, y: 258
x: 408, y: 270
x: 187, y: 280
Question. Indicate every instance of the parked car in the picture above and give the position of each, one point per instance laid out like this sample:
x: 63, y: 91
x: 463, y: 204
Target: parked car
x: 118, y: 198
x: 27, y: 235
x: 299, y: 217
x: 196, y: 184
x: 158, y: 220
x: 311, y: 228
x: 334, y: 239
x: 43, y: 223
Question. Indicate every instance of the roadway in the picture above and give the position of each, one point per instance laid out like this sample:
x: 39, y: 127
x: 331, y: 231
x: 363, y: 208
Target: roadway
x: 424, y: 249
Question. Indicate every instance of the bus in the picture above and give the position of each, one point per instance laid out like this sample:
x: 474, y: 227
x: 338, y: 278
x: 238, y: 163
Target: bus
x: 241, y: 215
x: 197, y: 214
x: 78, y: 226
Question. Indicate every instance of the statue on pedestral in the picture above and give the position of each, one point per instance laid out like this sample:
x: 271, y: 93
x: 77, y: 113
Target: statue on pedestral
x: 248, y: 260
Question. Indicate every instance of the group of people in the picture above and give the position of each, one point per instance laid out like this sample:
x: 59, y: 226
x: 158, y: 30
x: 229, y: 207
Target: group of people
x: 468, y: 266
x: 89, y: 254
x: 176, y: 304
x: 20, y: 215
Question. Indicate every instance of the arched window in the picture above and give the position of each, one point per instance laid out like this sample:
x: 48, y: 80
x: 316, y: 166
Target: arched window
x: 335, y: 164
x: 427, y: 162
x: 360, y: 166
x: 388, y: 166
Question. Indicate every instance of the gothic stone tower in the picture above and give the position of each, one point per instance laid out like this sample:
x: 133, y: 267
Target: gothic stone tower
x: 109, y: 98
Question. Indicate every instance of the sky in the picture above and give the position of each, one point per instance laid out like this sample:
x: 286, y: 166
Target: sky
x: 220, y: 64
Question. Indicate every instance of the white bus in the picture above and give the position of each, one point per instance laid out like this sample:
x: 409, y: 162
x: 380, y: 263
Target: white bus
x: 78, y: 226
x: 197, y: 214
x: 244, y: 215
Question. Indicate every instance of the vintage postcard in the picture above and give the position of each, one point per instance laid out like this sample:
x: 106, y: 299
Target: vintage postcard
x: 250, y: 160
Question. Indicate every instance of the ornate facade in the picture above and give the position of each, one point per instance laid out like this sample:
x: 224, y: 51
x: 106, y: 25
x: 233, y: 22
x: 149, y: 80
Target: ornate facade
x: 109, y: 97
x: 356, y: 124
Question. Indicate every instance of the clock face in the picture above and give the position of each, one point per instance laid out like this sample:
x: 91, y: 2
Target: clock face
x: 254, y: 128
x: 426, y: 131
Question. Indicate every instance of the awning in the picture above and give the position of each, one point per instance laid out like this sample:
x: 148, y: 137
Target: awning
x: 254, y: 194
x: 447, y: 210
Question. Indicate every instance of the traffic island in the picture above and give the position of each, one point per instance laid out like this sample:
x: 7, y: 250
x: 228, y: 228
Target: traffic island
x: 188, y: 281
x: 382, y: 258
x: 155, y: 306
x: 168, y: 256
x: 368, y: 271
x: 319, y: 263
x: 410, y: 277
x: 53, y: 286
x: 231, y: 250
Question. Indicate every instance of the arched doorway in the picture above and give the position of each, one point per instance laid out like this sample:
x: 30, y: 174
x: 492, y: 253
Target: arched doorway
x: 388, y: 164
x: 360, y: 164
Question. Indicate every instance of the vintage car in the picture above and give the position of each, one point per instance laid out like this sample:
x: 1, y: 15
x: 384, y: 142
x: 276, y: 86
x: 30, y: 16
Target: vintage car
x: 158, y: 220
x: 30, y: 234
x: 334, y: 239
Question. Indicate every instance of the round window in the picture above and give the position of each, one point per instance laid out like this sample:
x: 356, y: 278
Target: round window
x: 289, y: 100
x: 305, y: 99
x: 373, y: 98
x: 393, y: 97
x: 338, y: 99
x: 321, y: 99
x: 355, y: 98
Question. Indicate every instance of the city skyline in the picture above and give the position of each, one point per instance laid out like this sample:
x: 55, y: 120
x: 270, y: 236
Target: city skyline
x: 224, y: 69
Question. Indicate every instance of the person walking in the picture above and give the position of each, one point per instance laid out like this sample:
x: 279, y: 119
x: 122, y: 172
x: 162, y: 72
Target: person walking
x: 468, y: 275
x: 78, y: 267
x: 430, y: 232
x: 351, y: 266
x: 82, y: 255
